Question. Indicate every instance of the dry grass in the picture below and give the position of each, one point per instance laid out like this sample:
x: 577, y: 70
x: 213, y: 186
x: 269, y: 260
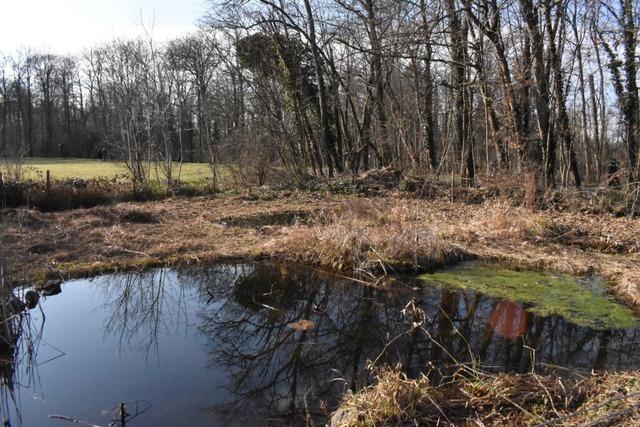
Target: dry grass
x: 131, y: 235
x: 472, y: 398
x: 368, y: 235
x: 355, y: 235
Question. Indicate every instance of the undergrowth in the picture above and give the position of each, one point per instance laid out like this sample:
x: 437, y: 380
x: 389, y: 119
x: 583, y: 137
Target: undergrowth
x: 472, y: 398
x: 85, y: 193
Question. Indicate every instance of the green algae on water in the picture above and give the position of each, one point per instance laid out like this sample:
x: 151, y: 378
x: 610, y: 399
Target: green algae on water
x: 545, y: 294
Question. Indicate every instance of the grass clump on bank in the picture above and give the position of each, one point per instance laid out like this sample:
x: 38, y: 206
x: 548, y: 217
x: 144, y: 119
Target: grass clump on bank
x: 368, y: 238
x: 547, y: 294
x: 473, y: 398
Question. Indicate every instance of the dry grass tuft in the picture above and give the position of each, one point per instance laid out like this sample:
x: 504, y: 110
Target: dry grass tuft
x: 127, y: 213
x: 472, y: 398
x: 530, y: 186
x: 368, y: 236
x: 497, y: 220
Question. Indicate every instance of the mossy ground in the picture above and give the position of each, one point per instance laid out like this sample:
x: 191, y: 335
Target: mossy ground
x: 545, y: 294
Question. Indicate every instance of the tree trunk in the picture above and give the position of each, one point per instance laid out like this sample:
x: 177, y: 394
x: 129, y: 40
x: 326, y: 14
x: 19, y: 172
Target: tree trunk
x: 563, y: 118
x: 328, y: 135
x: 631, y: 104
x: 533, y: 154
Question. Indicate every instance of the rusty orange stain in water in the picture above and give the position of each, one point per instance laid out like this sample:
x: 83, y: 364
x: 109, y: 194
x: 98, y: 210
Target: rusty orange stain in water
x: 509, y: 319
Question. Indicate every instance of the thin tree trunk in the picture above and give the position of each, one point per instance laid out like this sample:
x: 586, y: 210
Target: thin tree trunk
x: 563, y: 118
x: 328, y: 135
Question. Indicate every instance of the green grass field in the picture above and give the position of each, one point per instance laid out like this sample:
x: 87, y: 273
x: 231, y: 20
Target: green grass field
x: 36, y: 168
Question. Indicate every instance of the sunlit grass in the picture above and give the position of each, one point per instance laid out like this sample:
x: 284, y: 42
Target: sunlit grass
x: 67, y: 168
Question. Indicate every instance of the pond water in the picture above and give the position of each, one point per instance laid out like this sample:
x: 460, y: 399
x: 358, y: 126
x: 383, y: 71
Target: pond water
x: 258, y: 344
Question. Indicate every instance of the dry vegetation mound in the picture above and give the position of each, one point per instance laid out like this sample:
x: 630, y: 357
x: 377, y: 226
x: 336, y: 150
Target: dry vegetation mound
x: 471, y: 398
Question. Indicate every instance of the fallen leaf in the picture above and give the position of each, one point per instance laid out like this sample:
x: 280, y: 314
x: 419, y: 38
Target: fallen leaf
x: 303, y: 325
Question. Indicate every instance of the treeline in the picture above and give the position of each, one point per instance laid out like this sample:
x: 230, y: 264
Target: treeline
x: 546, y: 89
x: 128, y: 100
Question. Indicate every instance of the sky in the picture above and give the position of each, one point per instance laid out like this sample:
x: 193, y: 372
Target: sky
x: 68, y: 26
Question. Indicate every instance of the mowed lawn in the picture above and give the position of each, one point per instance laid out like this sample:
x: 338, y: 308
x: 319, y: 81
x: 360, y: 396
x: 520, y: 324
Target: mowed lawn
x: 36, y: 168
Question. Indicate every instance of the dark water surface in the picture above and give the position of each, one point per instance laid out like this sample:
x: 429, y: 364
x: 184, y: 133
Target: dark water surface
x: 258, y: 344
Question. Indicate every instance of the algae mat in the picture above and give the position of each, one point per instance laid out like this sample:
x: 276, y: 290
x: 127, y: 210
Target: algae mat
x: 544, y: 294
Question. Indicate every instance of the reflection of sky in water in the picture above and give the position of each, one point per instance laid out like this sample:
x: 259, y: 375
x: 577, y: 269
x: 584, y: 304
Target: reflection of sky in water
x: 96, y: 374
x: 192, y: 342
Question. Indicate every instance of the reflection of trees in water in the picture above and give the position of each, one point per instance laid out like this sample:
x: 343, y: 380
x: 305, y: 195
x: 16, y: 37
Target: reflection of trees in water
x: 141, y: 307
x: 20, y: 337
x: 281, y: 368
x: 276, y: 367
x: 553, y: 340
x: 245, y: 311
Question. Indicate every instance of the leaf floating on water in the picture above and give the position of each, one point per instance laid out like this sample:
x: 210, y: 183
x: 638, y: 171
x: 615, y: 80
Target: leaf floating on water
x: 303, y: 325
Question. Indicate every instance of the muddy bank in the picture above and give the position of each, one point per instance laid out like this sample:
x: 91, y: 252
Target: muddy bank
x: 363, y: 236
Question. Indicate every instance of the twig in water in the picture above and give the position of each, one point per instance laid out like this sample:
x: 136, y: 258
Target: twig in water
x: 72, y: 420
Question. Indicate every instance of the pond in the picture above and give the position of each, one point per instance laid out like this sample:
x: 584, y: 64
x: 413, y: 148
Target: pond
x: 259, y: 344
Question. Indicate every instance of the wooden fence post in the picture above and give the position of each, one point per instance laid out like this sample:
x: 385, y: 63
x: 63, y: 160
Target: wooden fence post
x: 123, y: 415
x: 4, y: 191
x: 48, y: 189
